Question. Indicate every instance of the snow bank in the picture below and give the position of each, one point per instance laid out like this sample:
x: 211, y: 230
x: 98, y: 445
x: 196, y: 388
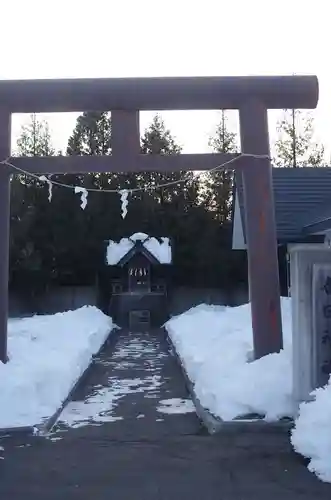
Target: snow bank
x: 161, y: 250
x: 47, y: 356
x: 215, y: 344
x: 312, y: 433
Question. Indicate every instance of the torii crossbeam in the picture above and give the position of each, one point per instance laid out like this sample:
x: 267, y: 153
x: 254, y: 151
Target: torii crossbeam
x: 252, y: 96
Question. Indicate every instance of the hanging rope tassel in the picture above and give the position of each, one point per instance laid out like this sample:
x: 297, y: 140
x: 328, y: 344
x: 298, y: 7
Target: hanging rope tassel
x: 124, y: 193
x: 50, y: 186
x: 83, y: 198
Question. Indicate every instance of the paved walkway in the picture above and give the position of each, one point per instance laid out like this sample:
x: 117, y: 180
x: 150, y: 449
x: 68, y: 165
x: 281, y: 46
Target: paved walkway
x: 136, y: 390
x: 130, y: 433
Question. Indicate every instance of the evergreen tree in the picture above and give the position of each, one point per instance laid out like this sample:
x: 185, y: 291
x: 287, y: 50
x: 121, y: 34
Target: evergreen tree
x: 224, y: 141
x: 35, y: 139
x: 92, y: 135
x: 176, y: 210
x: 77, y: 233
x: 157, y: 139
x: 101, y: 220
x: 28, y: 199
x: 219, y: 183
x: 59, y: 241
x: 295, y: 146
x: 23, y: 212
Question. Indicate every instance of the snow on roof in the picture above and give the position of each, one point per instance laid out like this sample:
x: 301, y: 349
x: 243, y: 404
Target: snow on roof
x: 139, y: 237
x: 161, y: 250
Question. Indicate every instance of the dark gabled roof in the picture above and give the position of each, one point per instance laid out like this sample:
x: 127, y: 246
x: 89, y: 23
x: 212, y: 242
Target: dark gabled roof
x: 319, y: 220
x: 138, y: 248
x: 301, y: 195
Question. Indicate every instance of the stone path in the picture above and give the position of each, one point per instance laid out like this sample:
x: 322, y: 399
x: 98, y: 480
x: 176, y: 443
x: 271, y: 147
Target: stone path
x: 136, y: 389
x: 136, y: 437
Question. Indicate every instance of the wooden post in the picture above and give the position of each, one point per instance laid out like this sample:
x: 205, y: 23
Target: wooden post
x: 261, y: 235
x: 125, y: 136
x: 5, y: 139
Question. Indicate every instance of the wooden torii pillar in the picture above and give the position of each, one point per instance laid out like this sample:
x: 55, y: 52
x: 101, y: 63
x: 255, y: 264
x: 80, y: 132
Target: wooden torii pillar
x: 252, y: 96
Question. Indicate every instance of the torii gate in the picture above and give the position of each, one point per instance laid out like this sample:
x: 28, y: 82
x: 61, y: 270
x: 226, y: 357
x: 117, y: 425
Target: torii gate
x: 252, y: 96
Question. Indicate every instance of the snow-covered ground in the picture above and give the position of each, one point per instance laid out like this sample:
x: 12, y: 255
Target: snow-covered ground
x: 312, y: 433
x: 47, y: 356
x: 215, y: 346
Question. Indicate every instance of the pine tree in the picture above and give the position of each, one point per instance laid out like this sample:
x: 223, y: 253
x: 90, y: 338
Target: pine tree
x: 101, y: 219
x: 28, y: 201
x: 295, y: 146
x: 35, y: 139
x: 171, y: 210
x: 219, y: 183
x: 157, y: 139
x: 78, y: 232
x: 92, y: 135
x: 224, y: 141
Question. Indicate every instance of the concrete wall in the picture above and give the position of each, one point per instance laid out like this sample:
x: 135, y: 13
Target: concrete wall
x: 303, y: 257
x: 59, y: 299
x: 183, y: 298
x: 56, y: 299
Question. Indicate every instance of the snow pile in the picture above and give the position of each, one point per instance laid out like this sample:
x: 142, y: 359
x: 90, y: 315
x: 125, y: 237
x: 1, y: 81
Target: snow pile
x: 312, y: 433
x: 215, y: 344
x: 47, y: 356
x: 161, y: 250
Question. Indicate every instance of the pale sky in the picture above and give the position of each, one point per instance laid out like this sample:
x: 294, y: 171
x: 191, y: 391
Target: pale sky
x: 119, y: 38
